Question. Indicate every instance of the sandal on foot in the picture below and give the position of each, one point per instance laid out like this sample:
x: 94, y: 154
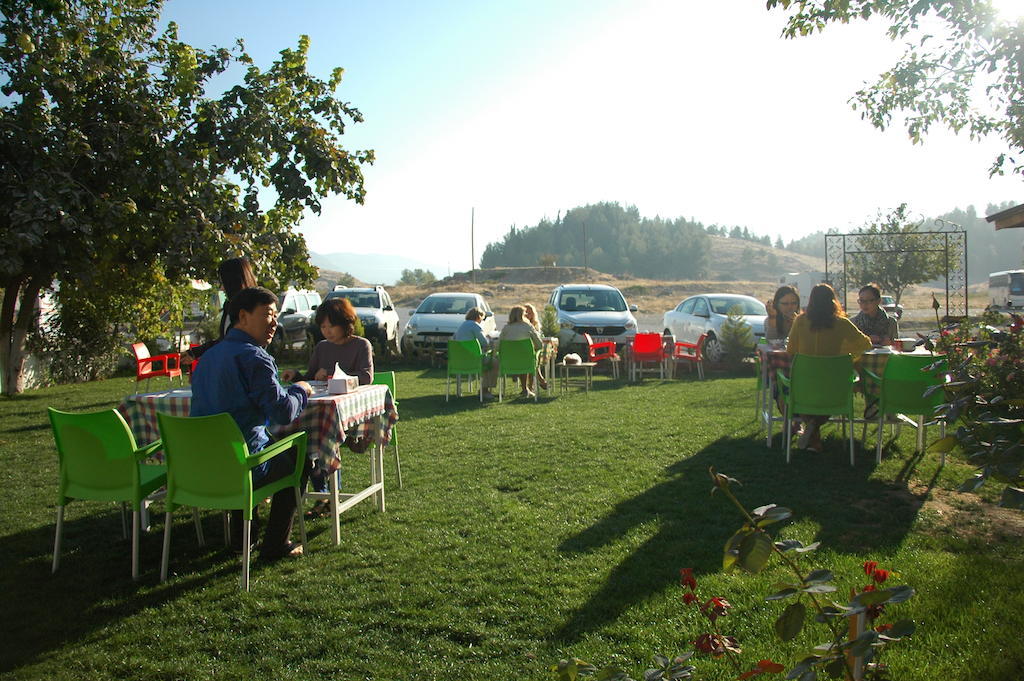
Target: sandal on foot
x: 321, y: 509
x: 290, y: 550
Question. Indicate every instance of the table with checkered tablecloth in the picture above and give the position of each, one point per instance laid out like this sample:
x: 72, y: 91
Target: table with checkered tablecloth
x: 367, y: 413
x: 365, y: 416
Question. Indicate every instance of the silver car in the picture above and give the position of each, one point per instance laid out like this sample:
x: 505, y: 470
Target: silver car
x: 594, y: 309
x: 705, y: 313
x: 434, y: 322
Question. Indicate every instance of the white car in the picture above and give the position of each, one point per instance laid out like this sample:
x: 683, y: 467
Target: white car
x: 594, y: 309
x: 704, y: 314
x: 377, y: 314
x: 434, y: 322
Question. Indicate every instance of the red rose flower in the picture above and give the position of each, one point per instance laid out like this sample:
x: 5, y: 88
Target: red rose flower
x: 869, y: 566
x: 880, y: 575
x: 689, y: 598
x: 686, y: 578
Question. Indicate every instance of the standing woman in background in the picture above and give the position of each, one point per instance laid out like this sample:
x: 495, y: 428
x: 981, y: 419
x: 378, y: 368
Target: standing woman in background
x: 235, y: 274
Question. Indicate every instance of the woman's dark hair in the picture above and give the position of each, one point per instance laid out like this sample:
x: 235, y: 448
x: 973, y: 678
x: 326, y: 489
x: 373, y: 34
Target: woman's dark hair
x: 235, y: 275
x: 339, y: 312
x: 822, y: 307
x: 784, y: 290
x: 249, y: 299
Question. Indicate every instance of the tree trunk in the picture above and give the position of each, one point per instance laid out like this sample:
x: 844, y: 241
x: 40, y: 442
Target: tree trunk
x: 14, y: 330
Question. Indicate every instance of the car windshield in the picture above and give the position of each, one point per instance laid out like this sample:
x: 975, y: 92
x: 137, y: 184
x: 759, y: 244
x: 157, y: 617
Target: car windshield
x: 583, y: 300
x: 358, y: 298
x: 446, y: 305
x: 747, y: 305
x: 888, y: 300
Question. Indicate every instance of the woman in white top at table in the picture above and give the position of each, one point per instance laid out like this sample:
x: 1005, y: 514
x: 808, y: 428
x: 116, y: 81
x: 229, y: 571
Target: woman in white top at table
x: 518, y: 329
x: 531, y: 317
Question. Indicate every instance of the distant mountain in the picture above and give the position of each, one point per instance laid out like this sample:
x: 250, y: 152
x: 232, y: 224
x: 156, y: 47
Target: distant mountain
x: 373, y: 268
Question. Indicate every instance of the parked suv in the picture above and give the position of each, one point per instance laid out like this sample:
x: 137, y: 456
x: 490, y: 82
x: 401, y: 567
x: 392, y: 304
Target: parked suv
x: 595, y: 309
x: 888, y: 303
x: 295, y: 309
x: 434, y: 322
x: 376, y: 312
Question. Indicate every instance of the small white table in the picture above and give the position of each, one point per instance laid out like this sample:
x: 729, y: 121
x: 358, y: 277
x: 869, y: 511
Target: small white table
x: 565, y: 375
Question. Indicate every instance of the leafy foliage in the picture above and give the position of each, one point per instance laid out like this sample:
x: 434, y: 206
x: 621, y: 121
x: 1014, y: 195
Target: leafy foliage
x: 417, y: 277
x: 737, y: 336
x: 894, y: 255
x: 962, y: 67
x: 549, y: 321
x: 985, y: 395
x: 618, y: 241
x: 117, y: 163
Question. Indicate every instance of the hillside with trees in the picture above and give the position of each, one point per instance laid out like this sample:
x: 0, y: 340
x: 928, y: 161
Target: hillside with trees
x: 621, y: 242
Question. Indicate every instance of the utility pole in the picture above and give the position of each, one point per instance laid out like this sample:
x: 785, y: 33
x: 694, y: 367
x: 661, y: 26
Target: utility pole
x: 585, y: 266
x: 472, y: 244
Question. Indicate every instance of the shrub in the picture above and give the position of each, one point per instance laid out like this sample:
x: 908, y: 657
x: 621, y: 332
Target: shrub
x: 737, y: 337
x: 549, y: 321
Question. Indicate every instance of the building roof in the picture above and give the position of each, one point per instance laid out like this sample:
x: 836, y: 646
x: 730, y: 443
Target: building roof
x: 1011, y: 217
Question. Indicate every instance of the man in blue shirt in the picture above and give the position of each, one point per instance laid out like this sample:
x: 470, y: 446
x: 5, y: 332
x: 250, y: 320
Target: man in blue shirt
x: 239, y: 377
x: 470, y: 330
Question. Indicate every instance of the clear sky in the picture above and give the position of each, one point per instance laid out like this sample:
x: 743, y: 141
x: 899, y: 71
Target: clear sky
x: 524, y: 109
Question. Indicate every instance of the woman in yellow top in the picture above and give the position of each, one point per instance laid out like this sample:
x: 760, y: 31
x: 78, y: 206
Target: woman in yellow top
x: 823, y: 330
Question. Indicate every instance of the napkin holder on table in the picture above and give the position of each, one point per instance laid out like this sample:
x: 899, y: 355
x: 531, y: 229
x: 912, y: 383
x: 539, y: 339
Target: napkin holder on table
x: 341, y: 383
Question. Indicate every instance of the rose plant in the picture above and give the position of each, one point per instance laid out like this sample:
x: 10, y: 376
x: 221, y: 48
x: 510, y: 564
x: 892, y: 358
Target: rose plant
x: 985, y: 396
x: 856, y: 638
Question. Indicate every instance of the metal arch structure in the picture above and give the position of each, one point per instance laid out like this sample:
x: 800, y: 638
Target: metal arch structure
x: 950, y: 242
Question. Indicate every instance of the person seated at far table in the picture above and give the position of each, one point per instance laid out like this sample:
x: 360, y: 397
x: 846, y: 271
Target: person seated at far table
x: 470, y: 330
x: 518, y: 328
x: 238, y: 376
x: 531, y: 317
x: 354, y: 354
x: 823, y: 330
x: 782, y: 310
x: 873, y: 321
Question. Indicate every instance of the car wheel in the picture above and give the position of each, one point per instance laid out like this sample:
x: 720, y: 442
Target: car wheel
x: 393, y: 348
x: 712, y: 350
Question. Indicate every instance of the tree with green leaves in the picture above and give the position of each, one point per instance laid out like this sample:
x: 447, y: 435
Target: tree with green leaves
x: 117, y: 168
x: 891, y: 253
x: 962, y: 68
x: 417, y: 277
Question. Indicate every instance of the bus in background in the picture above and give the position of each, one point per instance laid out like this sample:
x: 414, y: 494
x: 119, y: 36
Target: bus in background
x: 1006, y: 289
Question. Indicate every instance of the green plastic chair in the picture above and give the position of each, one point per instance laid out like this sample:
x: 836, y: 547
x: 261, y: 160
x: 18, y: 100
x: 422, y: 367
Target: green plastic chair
x: 465, y: 358
x: 209, y: 466
x: 100, y: 462
x: 820, y: 386
x: 388, y: 378
x: 516, y: 357
x: 903, y: 384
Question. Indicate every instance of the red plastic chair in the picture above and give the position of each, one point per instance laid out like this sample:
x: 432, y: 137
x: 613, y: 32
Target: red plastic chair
x: 146, y: 367
x: 691, y: 354
x: 600, y: 351
x: 647, y: 347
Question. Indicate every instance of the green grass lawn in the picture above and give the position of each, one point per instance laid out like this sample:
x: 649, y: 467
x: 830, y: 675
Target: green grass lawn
x: 525, y: 533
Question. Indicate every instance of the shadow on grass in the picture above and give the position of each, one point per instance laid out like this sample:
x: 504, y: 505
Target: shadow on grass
x: 93, y: 587
x: 854, y: 513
